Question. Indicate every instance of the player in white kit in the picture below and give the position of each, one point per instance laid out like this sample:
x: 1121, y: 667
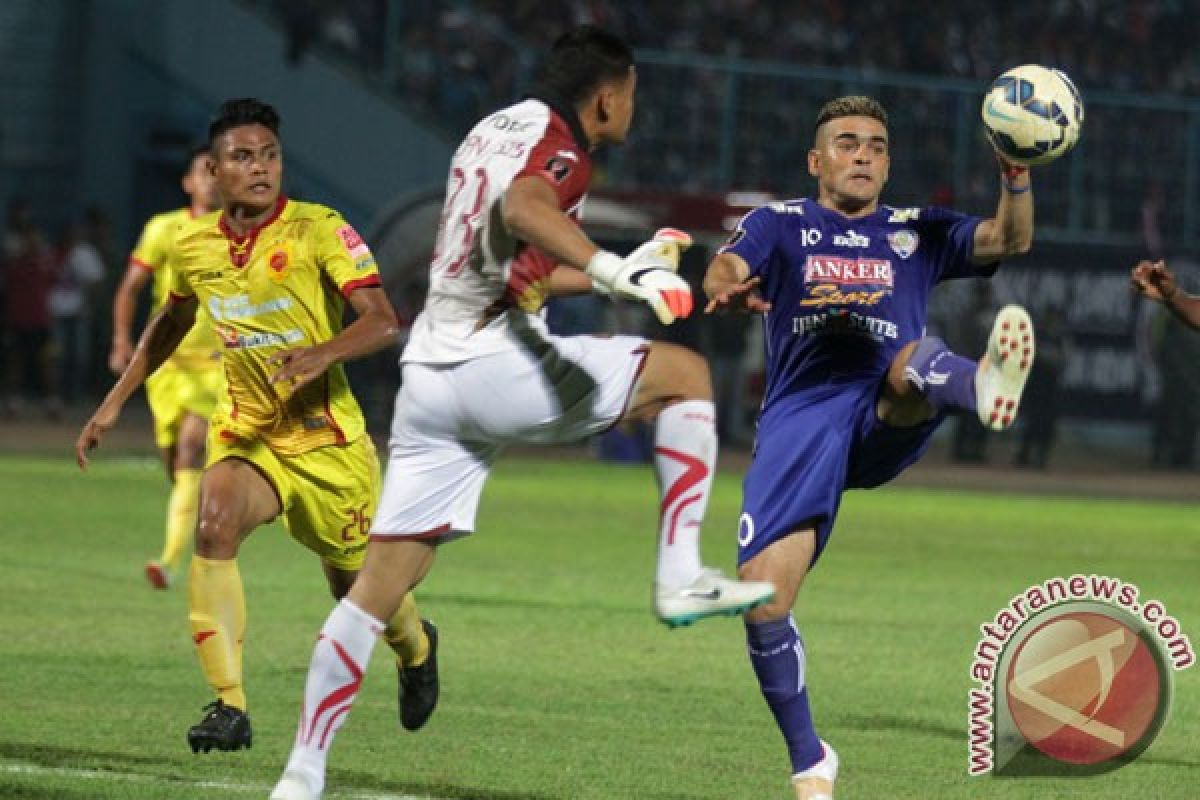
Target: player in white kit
x: 481, y: 371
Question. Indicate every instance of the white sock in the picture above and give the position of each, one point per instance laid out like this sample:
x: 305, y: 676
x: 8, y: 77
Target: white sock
x: 685, y: 451
x: 334, y: 677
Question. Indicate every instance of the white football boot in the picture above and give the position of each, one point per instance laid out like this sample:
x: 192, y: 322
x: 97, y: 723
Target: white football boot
x: 1002, y: 372
x: 294, y: 786
x: 711, y: 594
x: 816, y: 782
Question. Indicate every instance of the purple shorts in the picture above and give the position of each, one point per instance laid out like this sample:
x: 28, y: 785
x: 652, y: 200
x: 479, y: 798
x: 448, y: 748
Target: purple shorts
x: 809, y: 449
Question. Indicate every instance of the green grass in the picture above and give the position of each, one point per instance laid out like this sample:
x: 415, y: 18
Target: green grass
x: 557, y: 680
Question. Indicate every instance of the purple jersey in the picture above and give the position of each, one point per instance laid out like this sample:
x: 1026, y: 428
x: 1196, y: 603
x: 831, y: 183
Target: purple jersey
x: 847, y: 294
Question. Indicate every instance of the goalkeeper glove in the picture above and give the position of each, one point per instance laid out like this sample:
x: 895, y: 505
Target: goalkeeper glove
x: 667, y: 244
x: 647, y: 275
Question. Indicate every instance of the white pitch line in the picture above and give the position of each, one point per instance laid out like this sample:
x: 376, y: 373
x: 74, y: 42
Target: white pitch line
x: 135, y: 777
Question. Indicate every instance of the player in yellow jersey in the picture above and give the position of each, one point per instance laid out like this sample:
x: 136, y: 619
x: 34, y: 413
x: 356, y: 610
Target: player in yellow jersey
x: 183, y: 391
x: 287, y: 436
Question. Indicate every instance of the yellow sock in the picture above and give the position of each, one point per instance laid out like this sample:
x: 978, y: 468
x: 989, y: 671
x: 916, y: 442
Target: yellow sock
x: 405, y: 635
x: 217, y: 612
x: 181, y: 516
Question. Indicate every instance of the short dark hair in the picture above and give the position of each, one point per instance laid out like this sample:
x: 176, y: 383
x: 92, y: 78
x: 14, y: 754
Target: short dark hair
x: 856, y: 105
x: 580, y: 61
x: 243, y: 111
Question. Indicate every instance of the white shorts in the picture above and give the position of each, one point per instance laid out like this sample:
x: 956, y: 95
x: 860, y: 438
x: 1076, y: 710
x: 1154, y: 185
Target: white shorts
x: 451, y: 422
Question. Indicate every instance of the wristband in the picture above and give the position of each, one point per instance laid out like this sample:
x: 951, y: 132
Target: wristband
x: 1012, y: 171
x: 604, y: 267
x: 1009, y: 173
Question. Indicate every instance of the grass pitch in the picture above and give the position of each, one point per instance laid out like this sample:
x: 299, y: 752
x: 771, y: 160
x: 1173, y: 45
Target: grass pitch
x: 557, y: 680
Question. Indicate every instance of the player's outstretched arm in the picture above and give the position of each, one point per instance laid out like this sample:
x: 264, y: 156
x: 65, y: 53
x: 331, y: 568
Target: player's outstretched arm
x: 124, y: 302
x: 1154, y: 280
x: 531, y: 213
x: 163, y: 334
x: 374, y: 329
x: 730, y: 288
x: 664, y: 249
x: 1010, y: 231
x: 566, y: 281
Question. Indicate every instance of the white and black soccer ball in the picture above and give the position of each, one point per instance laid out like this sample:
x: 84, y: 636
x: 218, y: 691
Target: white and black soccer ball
x: 1032, y: 114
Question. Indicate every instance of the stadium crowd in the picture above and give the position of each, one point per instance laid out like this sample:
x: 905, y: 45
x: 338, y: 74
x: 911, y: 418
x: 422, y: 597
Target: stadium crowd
x: 54, y: 296
x: 461, y: 59
x: 457, y: 60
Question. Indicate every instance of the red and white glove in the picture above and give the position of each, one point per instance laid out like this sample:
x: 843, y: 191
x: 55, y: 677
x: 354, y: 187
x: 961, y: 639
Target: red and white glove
x: 648, y: 275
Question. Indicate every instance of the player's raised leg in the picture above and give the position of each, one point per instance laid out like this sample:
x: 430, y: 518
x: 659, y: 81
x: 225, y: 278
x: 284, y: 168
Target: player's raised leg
x: 237, y: 499
x: 926, y: 376
x: 674, y: 390
x: 777, y: 655
x: 341, y: 654
x: 1005, y: 367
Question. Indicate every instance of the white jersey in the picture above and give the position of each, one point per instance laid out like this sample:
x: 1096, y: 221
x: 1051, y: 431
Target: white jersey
x: 480, y: 275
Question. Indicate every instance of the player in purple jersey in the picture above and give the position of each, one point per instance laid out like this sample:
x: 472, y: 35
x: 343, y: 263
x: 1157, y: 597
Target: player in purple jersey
x: 855, y: 386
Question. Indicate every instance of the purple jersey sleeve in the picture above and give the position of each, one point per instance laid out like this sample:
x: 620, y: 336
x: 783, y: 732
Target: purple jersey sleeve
x: 950, y: 237
x: 754, y: 239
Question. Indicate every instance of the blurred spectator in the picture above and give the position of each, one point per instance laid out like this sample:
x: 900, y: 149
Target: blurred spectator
x: 29, y: 273
x: 72, y: 301
x: 1040, y: 404
x: 99, y: 234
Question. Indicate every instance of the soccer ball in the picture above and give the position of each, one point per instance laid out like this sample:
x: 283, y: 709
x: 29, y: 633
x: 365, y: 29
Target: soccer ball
x: 1032, y: 114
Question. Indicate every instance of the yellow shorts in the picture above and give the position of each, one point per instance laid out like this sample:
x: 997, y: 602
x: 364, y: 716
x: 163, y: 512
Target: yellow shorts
x: 174, y: 393
x: 328, y: 494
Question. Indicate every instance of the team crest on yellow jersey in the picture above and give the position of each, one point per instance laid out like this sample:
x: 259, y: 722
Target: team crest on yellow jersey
x: 279, y: 259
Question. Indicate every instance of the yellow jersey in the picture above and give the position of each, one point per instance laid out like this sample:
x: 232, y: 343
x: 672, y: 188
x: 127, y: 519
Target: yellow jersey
x: 200, y: 351
x: 279, y: 287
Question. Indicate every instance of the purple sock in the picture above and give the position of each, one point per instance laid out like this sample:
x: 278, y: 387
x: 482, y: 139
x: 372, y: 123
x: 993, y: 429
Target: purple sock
x: 947, y: 380
x: 777, y: 655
